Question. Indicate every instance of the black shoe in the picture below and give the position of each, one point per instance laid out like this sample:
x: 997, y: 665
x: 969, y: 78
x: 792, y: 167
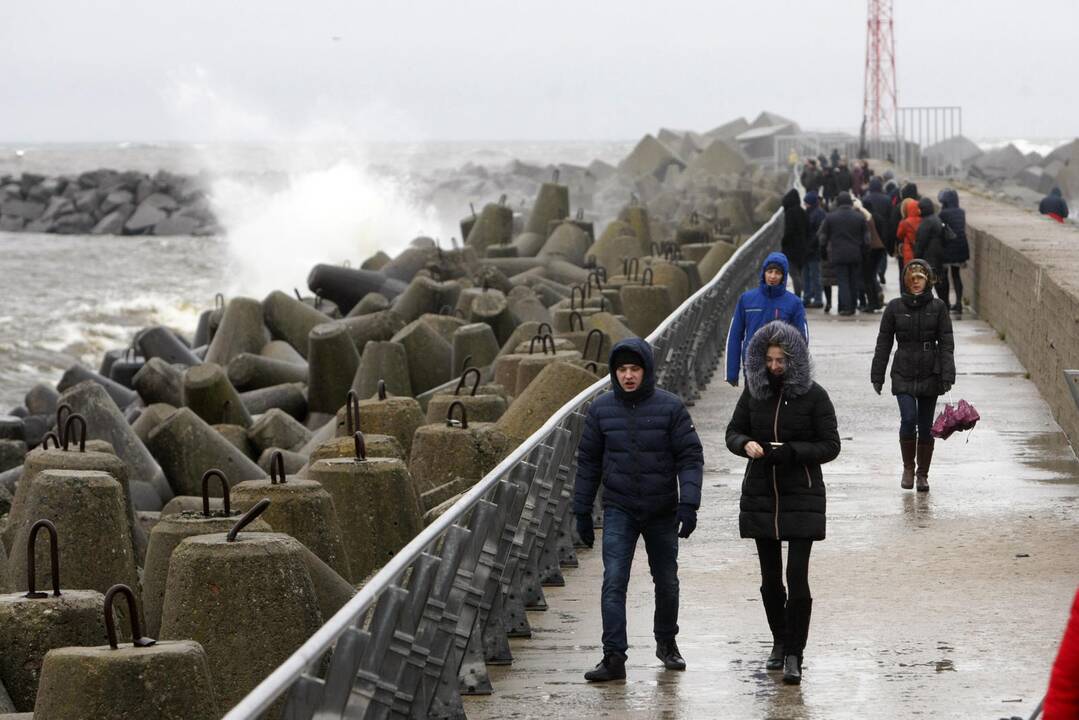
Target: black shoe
x: 775, y: 658
x: 881, y: 278
x: 792, y: 670
x: 957, y: 308
x: 611, y: 667
x: 667, y: 651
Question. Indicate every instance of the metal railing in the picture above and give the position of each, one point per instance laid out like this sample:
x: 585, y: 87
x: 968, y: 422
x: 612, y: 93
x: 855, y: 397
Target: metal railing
x: 421, y: 632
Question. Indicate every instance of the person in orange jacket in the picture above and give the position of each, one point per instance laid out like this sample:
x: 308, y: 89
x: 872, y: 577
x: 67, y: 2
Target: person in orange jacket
x: 1062, y: 700
x: 907, y: 233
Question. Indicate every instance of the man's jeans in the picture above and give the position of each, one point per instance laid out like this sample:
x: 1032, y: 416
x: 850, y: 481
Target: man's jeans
x: 621, y: 529
x: 846, y: 275
x: 814, y: 293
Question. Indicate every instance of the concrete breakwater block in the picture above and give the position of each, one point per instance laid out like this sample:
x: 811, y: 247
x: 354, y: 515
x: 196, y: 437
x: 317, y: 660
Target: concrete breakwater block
x: 636, y: 216
x: 247, y: 371
x: 494, y: 226
x: 293, y: 461
x: 522, y: 334
x: 378, y: 446
x: 480, y: 408
x: 149, y: 489
x: 531, y: 366
x: 31, y: 624
x: 379, y: 507
x: 12, y: 453
x: 172, y: 529
x: 556, y: 385
x: 491, y: 307
x: 290, y: 397
x: 241, y: 330
x: 611, y: 326
x: 646, y: 306
x: 227, y: 596
x: 281, y: 350
x: 670, y: 276
x: 210, y: 395
x: 150, y: 417
x: 186, y: 446
x: 383, y: 361
x: 159, y: 382
x: 88, y: 509
x: 443, y: 324
x: 376, y: 261
x: 276, y: 428
x: 455, y: 448
x: 475, y: 342
x: 42, y: 399
x: 78, y: 374
x: 237, y: 435
x: 552, y: 203
x: 333, y: 363
x: 525, y: 305
x: 425, y: 295
x: 371, y: 303
x: 567, y: 242
x: 382, y: 325
x: 347, y: 286
x: 291, y: 320
x: 429, y: 356
x: 383, y: 414
x: 715, y: 259
x: 160, y: 342
x: 301, y: 508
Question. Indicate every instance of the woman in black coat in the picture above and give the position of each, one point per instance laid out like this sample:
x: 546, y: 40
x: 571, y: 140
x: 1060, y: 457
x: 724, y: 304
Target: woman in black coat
x: 922, y: 369
x: 795, y: 237
x: 786, y: 425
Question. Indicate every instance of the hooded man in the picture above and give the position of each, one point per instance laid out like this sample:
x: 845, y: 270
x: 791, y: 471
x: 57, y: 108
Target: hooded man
x: 770, y: 301
x: 639, y: 441
x: 813, y: 297
x: 880, y: 205
x: 1054, y: 205
x: 844, y: 236
x: 795, y: 237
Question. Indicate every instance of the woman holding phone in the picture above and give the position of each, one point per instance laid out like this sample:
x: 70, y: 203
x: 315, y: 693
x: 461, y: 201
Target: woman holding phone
x: 786, y: 425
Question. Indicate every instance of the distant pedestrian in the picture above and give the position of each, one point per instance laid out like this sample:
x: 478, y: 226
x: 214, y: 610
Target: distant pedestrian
x: 829, y: 189
x: 907, y: 232
x: 857, y: 180
x: 640, y: 443
x: 843, y: 178
x: 795, y: 237
x: 835, y: 157
x: 931, y: 238
x: 1054, y: 205
x: 922, y: 369
x: 786, y: 425
x: 909, y: 190
x: 811, y: 176
x: 770, y: 301
x: 1062, y: 699
x: 873, y: 297
x: 812, y: 295
x: 880, y: 205
x: 956, y: 250
x: 843, y: 236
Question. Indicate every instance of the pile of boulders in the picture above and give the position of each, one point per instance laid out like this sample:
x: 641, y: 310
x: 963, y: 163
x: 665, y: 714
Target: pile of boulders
x: 346, y: 420
x: 107, y: 202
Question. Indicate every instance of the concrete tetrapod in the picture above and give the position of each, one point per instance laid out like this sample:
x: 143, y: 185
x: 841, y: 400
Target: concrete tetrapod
x: 424, y: 295
x: 185, y: 446
x: 78, y: 374
x: 386, y: 361
x: 333, y: 363
x: 210, y: 395
x: 382, y: 414
x: 171, y: 530
x: 149, y: 679
x: 42, y: 399
x: 276, y: 428
x: 556, y: 385
x: 552, y: 203
x: 242, y: 330
x: 612, y: 327
x: 281, y: 350
x: 455, y: 448
x: 504, y: 371
x: 480, y: 408
x: 290, y: 320
x: 476, y: 342
x: 300, y: 508
x: 715, y: 259
x: 34, y: 622
x: 378, y: 446
x: 237, y: 436
x: 379, y: 506
x: 251, y: 372
x: 290, y: 397
x: 87, y: 508
x: 568, y: 242
x: 225, y: 592
x: 443, y: 324
x: 159, y: 382
x: 646, y: 306
x: 75, y: 458
x: 294, y: 461
x: 149, y: 418
x: 149, y: 489
x: 525, y: 305
x: 669, y: 275
x: 382, y: 325
x: 160, y: 342
x: 494, y: 226
x: 429, y: 356
x: 532, y: 365
x: 371, y: 303
x: 491, y: 307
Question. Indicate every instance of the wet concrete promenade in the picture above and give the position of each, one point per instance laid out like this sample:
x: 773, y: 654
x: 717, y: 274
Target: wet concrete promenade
x: 946, y: 605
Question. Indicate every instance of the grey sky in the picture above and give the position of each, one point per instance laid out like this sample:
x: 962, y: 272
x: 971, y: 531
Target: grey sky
x: 139, y: 70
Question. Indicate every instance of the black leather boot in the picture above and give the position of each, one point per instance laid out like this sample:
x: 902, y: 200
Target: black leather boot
x: 775, y: 602
x: 667, y: 651
x: 611, y: 667
x: 799, y: 611
x: 792, y: 670
x: 925, y: 458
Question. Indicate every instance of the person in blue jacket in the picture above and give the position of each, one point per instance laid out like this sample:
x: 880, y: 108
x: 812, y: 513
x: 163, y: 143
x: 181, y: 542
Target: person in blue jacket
x: 639, y: 441
x: 757, y: 307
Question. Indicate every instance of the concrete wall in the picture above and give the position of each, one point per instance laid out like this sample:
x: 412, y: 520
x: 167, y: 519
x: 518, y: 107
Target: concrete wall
x: 1023, y: 279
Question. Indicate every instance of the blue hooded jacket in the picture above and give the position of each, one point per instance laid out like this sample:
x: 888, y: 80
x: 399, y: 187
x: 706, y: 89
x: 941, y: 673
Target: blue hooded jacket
x: 642, y: 446
x: 758, y: 307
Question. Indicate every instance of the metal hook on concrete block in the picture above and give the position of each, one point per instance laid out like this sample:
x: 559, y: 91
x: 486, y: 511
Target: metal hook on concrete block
x: 211, y: 473
x: 62, y: 411
x: 451, y: 422
x: 594, y: 332
x: 247, y: 518
x: 31, y: 560
x: 464, y: 378
x: 82, y: 430
x: 110, y: 623
x: 381, y: 389
x: 361, y: 446
x: 545, y: 326
x: 580, y: 321
x: 277, y: 468
x: 352, y: 412
x: 50, y: 436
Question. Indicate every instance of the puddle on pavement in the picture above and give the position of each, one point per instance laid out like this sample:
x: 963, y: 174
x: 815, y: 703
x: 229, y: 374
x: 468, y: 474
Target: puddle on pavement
x: 1048, y: 451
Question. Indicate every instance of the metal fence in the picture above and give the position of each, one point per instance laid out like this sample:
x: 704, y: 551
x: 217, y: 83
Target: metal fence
x: 420, y: 633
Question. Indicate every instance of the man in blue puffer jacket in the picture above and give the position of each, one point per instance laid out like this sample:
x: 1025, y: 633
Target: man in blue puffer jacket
x: 640, y: 442
x: 760, y: 306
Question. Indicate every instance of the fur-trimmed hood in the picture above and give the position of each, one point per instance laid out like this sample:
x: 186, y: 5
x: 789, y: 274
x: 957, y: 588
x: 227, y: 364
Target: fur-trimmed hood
x: 798, y: 377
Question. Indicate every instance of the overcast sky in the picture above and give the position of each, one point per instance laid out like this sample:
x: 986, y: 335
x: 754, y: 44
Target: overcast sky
x: 141, y: 70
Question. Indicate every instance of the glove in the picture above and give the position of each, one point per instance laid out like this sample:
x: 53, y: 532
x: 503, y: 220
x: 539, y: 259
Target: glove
x: 946, y: 387
x: 687, y: 520
x: 782, y: 455
x: 878, y: 387
x: 585, y: 530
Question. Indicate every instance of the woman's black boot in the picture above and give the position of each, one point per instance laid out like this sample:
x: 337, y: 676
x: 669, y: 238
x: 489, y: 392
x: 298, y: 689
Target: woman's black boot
x: 775, y: 602
x: 792, y: 670
x: 799, y: 611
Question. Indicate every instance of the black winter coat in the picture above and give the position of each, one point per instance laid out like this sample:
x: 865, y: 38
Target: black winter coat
x: 844, y: 235
x: 815, y: 216
x: 642, y: 446
x: 783, y: 502
x: 957, y: 249
x: 795, y: 229
x: 925, y: 358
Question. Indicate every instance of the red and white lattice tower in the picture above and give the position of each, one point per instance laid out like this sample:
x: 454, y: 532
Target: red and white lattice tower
x: 879, y: 107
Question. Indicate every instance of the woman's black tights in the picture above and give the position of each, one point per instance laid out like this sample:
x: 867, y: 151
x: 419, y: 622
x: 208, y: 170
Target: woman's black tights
x: 771, y: 557
x: 943, y: 286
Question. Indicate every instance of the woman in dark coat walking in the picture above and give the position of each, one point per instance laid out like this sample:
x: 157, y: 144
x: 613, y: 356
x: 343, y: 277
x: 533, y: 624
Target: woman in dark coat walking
x: 923, y: 367
x: 795, y: 237
x: 956, y: 250
x: 786, y: 425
